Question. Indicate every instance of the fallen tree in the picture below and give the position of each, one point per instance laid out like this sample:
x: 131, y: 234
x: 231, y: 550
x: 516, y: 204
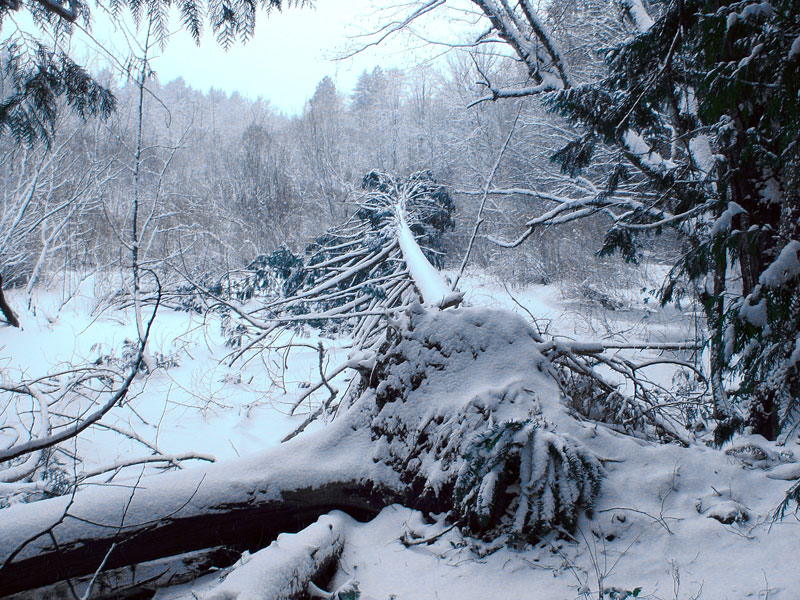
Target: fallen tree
x: 455, y: 415
x: 455, y: 410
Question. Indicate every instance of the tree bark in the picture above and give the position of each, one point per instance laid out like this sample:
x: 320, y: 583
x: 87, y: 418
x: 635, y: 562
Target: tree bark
x: 137, y: 581
x: 6, y: 309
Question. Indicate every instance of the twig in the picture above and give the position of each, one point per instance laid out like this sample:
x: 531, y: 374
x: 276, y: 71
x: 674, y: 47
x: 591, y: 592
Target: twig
x: 407, y: 541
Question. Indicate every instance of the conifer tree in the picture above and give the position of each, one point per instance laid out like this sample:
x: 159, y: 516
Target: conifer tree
x: 704, y: 104
x: 700, y: 107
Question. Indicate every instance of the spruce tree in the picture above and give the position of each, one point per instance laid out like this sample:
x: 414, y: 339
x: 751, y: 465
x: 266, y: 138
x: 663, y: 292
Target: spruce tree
x: 703, y: 105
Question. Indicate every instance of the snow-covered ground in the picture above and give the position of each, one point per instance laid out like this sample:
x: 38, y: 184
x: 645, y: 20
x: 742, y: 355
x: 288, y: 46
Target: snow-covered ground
x: 670, y: 523
x: 198, y: 402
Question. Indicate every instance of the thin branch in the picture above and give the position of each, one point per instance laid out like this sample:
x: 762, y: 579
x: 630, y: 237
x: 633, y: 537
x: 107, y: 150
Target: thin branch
x: 479, y: 218
x: 78, y: 427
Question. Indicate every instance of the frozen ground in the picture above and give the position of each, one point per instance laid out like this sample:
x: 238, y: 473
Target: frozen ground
x: 670, y: 523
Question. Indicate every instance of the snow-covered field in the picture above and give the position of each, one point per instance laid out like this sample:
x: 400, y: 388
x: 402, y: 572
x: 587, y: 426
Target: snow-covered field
x: 670, y: 523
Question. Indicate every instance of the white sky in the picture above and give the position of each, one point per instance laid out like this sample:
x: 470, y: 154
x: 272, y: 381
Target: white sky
x: 289, y: 54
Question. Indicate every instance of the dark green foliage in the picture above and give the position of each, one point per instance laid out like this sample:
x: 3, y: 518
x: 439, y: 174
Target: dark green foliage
x: 576, y: 156
x: 429, y: 207
x: 35, y: 81
x: 764, y: 334
x: 354, y: 267
x: 271, y: 275
x: 620, y: 174
x: 484, y: 452
x: 529, y: 477
x: 711, y: 92
x: 620, y: 240
x: 286, y: 266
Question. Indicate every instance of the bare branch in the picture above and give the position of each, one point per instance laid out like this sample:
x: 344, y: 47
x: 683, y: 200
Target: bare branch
x: 79, y: 426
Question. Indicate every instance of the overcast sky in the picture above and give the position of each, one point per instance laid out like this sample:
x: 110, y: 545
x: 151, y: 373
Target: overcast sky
x: 290, y: 53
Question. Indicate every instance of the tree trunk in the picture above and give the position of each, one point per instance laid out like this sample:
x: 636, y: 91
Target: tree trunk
x: 137, y: 581
x: 240, y: 526
x: 6, y: 309
x: 242, y: 504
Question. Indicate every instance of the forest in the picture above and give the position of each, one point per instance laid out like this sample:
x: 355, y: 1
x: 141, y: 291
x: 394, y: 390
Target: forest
x: 523, y: 321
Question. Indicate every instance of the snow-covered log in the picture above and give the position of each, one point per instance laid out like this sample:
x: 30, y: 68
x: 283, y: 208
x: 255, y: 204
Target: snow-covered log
x: 243, y: 504
x: 135, y: 581
x: 285, y: 568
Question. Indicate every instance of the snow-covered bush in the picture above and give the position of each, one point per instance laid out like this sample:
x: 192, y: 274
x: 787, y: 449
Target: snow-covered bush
x: 467, y: 415
x: 521, y: 475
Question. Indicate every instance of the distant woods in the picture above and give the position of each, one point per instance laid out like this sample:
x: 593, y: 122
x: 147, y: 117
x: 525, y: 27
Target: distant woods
x: 222, y: 179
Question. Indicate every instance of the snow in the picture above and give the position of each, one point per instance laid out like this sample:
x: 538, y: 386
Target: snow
x: 276, y: 571
x: 261, y: 477
x: 723, y: 223
x: 771, y: 191
x: 675, y: 522
x: 784, y: 268
x: 755, y: 314
x: 656, y: 526
x: 749, y: 58
x: 795, y: 49
x: 639, y: 14
x: 703, y: 155
x: 649, y: 157
x: 427, y: 279
x: 753, y: 10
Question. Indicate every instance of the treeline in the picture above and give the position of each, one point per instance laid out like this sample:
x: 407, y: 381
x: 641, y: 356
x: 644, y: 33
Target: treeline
x: 213, y: 180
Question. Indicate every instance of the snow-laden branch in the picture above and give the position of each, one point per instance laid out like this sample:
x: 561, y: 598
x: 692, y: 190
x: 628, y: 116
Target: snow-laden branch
x: 543, y: 58
x: 170, y: 459
x: 620, y: 208
x: 548, y: 85
x: 637, y: 13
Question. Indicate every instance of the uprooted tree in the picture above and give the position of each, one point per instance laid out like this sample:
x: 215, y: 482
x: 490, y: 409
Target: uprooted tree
x: 448, y: 409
